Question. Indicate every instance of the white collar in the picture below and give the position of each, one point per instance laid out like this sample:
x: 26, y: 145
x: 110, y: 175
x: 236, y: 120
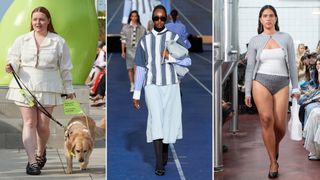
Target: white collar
x: 131, y: 24
x: 47, y: 40
x: 154, y: 32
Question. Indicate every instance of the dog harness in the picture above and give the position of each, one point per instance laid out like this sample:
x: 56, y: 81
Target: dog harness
x: 68, y: 132
x: 69, y: 128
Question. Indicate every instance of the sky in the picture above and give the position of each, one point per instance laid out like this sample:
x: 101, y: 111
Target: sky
x: 4, y: 5
x: 101, y: 5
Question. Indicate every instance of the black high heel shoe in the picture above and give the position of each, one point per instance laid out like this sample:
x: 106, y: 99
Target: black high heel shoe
x: 159, y: 172
x: 273, y: 175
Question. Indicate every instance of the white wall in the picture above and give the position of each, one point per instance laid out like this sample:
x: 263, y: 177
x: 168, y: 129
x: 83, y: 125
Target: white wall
x: 295, y: 18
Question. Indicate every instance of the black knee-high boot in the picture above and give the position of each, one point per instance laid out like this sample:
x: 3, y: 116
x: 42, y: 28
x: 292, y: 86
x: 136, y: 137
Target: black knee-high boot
x: 165, y: 152
x: 158, y: 147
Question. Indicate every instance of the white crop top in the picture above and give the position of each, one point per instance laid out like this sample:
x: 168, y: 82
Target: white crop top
x: 272, y: 62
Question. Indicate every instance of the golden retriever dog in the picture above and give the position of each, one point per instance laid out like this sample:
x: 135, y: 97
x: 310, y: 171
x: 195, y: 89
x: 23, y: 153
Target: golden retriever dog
x: 79, y: 141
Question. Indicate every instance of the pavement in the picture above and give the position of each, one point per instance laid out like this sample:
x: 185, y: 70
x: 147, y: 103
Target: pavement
x: 13, y: 158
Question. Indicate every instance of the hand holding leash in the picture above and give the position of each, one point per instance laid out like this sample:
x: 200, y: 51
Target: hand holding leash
x: 71, y: 96
x: 8, y: 68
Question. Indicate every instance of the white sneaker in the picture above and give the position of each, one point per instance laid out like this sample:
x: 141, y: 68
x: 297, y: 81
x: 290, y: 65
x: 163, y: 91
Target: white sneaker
x: 313, y: 157
x: 132, y: 87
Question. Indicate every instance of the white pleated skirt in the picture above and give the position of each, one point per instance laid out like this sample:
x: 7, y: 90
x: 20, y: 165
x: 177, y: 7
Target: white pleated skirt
x: 47, y: 99
x: 164, y: 113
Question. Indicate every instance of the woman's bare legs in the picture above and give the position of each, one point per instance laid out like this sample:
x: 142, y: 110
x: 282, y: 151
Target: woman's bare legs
x: 280, y: 109
x: 265, y: 105
x: 29, y: 131
x: 43, y: 130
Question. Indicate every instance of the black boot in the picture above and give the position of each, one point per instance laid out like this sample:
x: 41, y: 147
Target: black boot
x: 165, y: 152
x: 158, y: 147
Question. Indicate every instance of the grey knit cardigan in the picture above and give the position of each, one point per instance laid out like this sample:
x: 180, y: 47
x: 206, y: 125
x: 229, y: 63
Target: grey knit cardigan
x: 257, y: 44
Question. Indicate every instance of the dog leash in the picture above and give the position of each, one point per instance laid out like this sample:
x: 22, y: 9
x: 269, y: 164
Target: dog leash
x: 43, y: 110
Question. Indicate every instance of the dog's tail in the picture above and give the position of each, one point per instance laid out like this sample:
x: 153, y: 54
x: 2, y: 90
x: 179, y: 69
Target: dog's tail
x: 100, y: 132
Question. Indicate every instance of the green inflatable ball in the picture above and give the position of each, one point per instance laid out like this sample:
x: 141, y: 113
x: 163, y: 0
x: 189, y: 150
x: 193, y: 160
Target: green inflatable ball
x: 75, y: 20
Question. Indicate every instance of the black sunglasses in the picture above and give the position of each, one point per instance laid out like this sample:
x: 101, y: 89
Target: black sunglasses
x: 156, y: 18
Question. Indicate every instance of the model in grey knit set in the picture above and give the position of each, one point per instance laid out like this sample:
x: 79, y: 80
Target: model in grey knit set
x: 256, y: 46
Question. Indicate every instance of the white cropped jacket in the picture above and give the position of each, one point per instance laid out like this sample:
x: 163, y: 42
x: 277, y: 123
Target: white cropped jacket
x: 47, y: 69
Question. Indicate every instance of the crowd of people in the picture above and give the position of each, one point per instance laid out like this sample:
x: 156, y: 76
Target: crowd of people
x: 96, y: 79
x: 308, y: 68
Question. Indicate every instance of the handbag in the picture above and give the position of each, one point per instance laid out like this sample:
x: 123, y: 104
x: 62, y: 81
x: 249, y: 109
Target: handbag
x: 176, y: 50
x: 180, y: 70
x: 294, y: 124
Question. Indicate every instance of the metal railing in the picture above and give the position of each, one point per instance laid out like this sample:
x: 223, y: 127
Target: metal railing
x: 226, y: 53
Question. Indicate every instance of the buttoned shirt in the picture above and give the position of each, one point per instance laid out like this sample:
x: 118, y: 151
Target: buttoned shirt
x: 130, y: 34
x: 180, y: 29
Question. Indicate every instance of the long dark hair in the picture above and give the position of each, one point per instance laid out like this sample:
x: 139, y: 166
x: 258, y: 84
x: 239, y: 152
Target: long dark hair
x: 47, y: 13
x: 316, y: 75
x: 260, y: 26
x: 129, y: 19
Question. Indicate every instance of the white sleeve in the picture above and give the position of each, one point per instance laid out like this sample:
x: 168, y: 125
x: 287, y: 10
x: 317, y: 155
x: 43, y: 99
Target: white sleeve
x: 14, y: 54
x: 139, y: 79
x: 65, y: 67
x: 100, y: 62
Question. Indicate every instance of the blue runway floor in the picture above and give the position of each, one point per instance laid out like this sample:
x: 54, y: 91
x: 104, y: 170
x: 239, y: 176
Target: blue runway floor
x: 128, y: 154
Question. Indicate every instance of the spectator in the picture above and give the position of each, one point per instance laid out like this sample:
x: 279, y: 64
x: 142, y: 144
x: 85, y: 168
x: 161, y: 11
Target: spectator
x: 301, y: 67
x: 89, y: 81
